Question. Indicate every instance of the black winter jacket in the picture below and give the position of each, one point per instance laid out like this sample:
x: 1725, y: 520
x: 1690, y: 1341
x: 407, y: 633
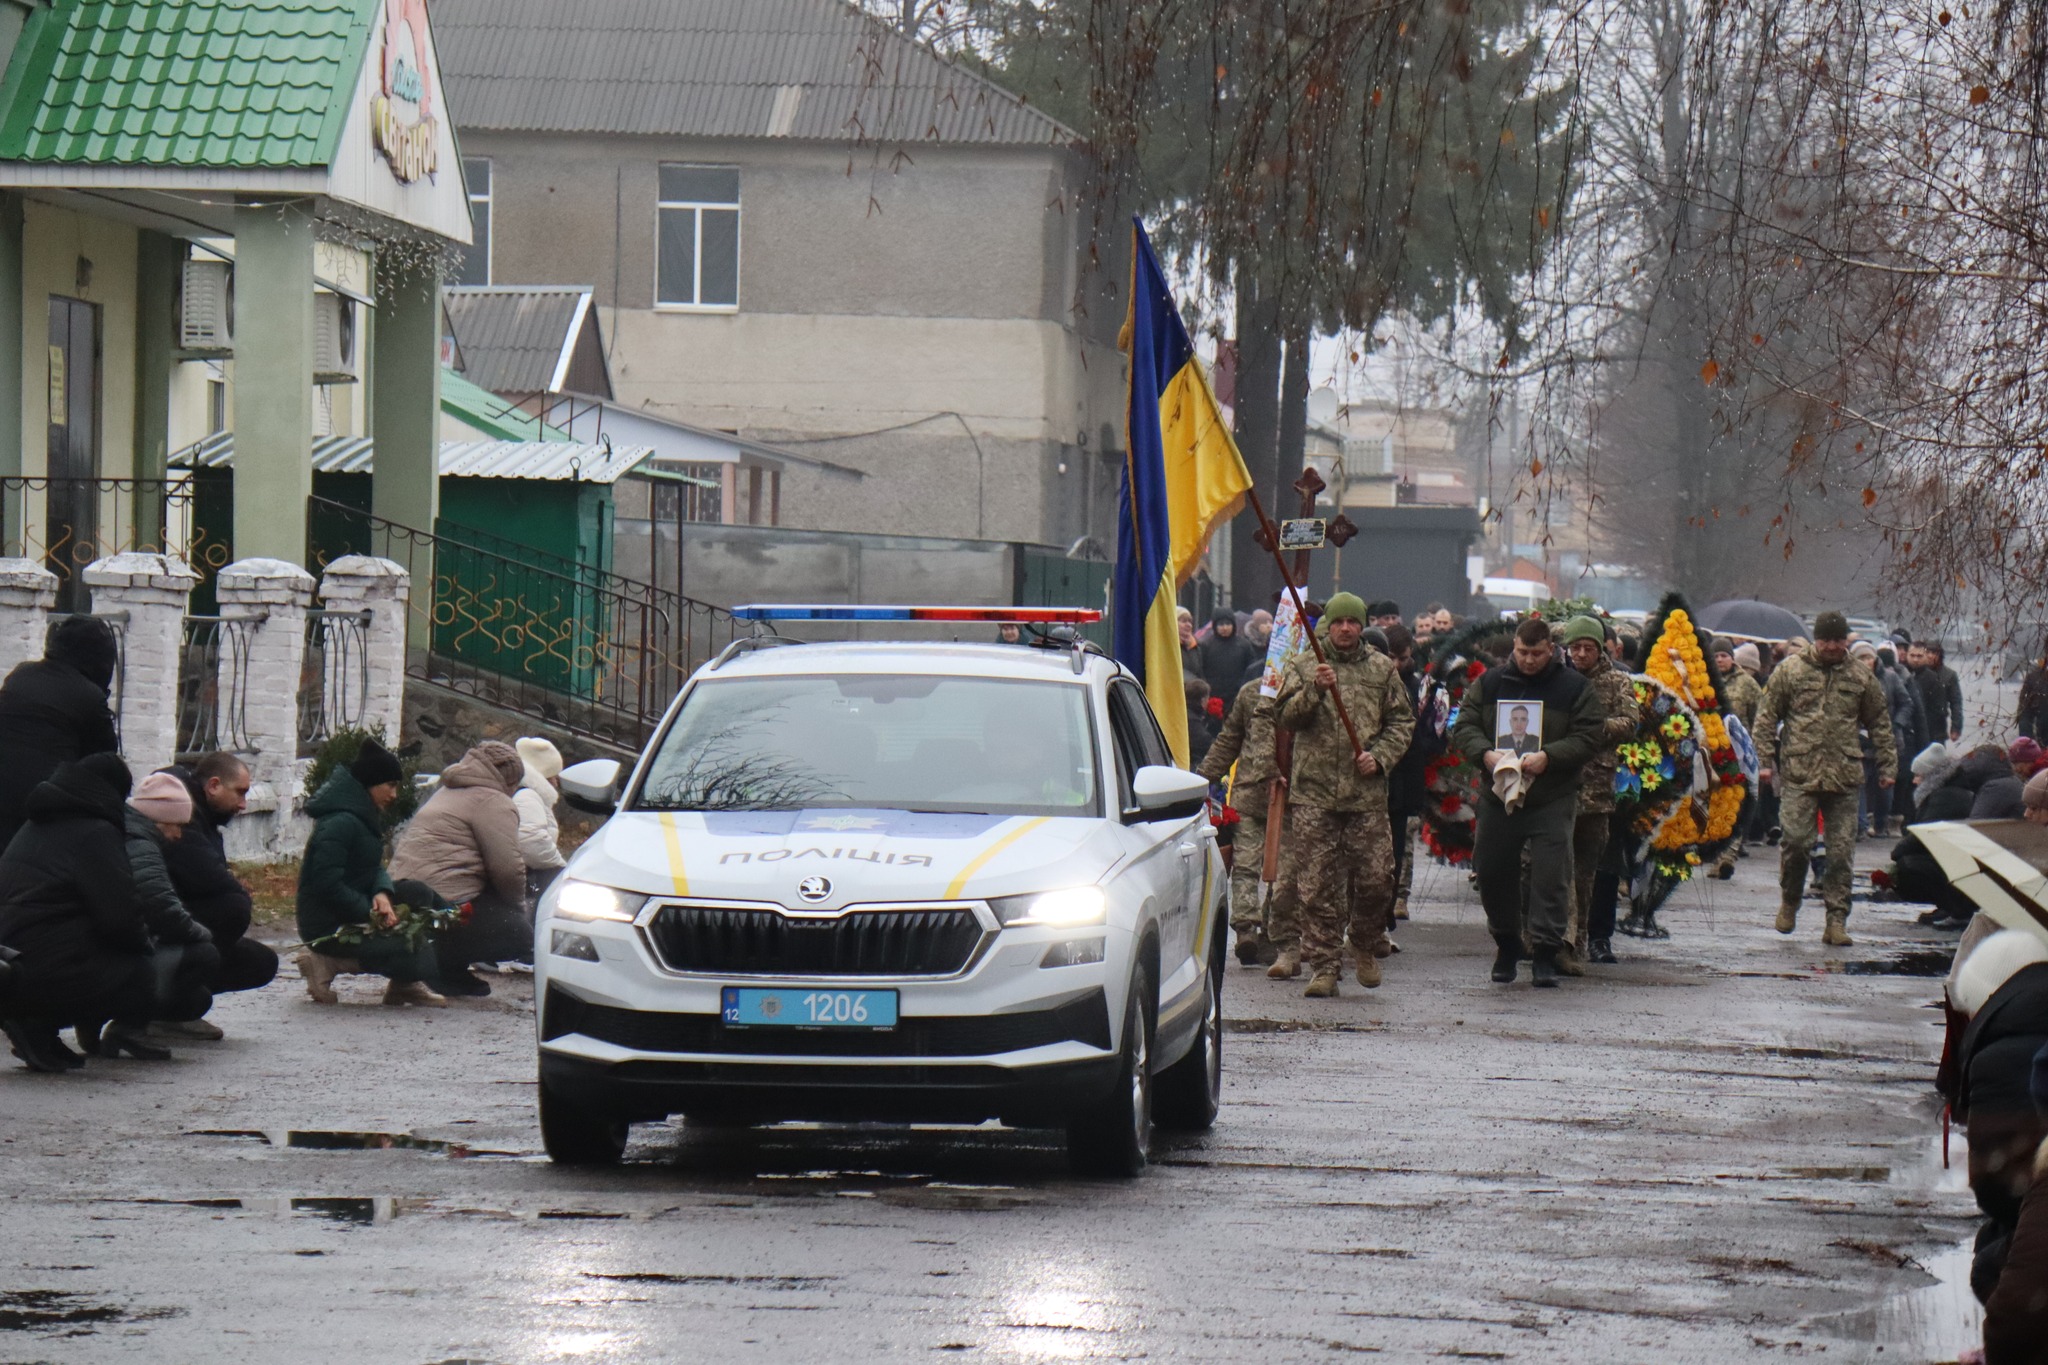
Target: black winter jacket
x: 199, y: 870
x: 67, y: 872
x: 54, y: 710
x: 163, y: 914
x: 2002, y: 798
x: 1996, y: 1059
x: 1572, y: 713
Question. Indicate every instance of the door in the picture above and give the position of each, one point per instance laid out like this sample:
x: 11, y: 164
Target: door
x: 71, y: 510
x: 1178, y: 857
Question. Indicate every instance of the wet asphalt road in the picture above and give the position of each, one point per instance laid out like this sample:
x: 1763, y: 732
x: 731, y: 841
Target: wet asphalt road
x: 1724, y: 1149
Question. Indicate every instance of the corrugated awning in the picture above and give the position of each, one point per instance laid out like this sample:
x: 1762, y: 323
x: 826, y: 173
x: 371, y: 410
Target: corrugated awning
x: 555, y: 461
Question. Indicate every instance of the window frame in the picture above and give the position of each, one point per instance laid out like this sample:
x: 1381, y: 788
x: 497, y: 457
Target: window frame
x: 696, y: 208
x: 489, y: 199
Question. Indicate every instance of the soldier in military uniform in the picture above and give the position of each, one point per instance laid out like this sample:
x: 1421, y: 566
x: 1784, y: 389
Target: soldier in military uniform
x: 1822, y: 697
x: 1585, y: 643
x: 1247, y: 741
x: 1343, y: 853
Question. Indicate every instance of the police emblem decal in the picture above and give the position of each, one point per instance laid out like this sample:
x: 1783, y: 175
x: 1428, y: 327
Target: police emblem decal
x: 814, y: 888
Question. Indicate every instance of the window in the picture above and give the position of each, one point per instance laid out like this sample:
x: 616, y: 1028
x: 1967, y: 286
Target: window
x: 1139, y: 743
x: 216, y: 406
x: 476, y: 262
x: 698, y: 259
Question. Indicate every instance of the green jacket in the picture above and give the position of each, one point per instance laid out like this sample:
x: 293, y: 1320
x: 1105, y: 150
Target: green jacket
x: 344, y: 861
x: 1617, y: 693
x: 1573, y: 720
x: 1744, y: 695
x: 1246, y: 739
x: 1377, y: 702
x: 1822, y: 707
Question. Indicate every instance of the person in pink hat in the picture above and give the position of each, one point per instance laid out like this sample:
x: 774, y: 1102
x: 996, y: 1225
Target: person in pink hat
x: 183, y: 952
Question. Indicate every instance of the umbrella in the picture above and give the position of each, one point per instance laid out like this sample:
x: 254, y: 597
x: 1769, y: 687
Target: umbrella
x: 1749, y: 619
x: 1999, y: 864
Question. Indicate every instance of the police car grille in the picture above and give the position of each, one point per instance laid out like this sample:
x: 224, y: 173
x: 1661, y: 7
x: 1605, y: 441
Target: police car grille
x: 697, y: 938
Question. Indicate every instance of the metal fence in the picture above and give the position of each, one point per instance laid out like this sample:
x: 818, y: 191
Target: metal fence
x: 334, y: 678
x: 213, y: 686
x: 66, y: 524
x: 581, y: 648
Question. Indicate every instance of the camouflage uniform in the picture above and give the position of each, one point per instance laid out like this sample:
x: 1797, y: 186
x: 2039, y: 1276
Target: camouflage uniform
x: 1617, y: 693
x: 1744, y: 694
x: 1247, y: 740
x: 1819, y: 763
x: 1343, y: 852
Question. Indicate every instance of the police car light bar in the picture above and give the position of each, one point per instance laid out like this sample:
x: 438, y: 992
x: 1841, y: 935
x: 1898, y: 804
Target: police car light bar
x: 1042, y: 616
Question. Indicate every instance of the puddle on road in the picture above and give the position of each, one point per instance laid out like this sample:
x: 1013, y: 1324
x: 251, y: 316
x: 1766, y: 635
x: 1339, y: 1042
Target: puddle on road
x: 1914, y: 962
x: 59, y: 1312
x: 349, y: 1140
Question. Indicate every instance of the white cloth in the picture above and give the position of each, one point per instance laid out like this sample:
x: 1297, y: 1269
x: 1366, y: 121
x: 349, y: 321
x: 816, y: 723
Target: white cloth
x: 540, y: 834
x: 1510, y: 783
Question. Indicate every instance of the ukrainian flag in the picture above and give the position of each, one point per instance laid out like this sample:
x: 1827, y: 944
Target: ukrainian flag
x: 1182, y: 479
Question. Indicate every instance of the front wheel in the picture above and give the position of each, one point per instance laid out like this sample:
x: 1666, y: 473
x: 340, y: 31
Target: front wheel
x: 1191, y: 1090
x: 1113, y: 1136
x: 575, y: 1136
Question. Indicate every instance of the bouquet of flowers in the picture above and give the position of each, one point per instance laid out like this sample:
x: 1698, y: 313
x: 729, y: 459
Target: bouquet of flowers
x: 415, y: 924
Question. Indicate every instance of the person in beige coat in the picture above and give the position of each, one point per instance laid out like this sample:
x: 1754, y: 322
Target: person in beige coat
x: 540, y: 833
x: 464, y: 842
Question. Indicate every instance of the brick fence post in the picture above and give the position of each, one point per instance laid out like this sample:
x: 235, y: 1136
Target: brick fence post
x: 27, y: 592
x: 384, y: 589
x: 155, y: 591
x: 265, y: 601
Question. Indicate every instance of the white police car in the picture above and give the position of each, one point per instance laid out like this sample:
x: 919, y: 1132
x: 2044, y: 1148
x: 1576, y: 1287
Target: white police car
x: 919, y: 882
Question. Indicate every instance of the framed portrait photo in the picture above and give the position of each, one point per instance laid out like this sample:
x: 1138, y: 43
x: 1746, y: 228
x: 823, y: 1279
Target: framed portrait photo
x: 1518, y: 727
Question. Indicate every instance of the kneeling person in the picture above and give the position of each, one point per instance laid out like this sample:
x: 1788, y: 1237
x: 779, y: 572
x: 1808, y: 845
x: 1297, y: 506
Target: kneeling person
x: 1343, y: 853
x: 218, y: 785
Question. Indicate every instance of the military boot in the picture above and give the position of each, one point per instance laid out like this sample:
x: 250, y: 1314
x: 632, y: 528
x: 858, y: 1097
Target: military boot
x: 1287, y: 966
x: 1401, y: 908
x: 1836, y: 935
x: 1567, y: 961
x: 1368, y: 970
x: 1249, y: 940
x: 1543, y: 970
x: 1507, y: 959
x: 1788, y: 917
x: 319, y: 971
x: 1323, y: 985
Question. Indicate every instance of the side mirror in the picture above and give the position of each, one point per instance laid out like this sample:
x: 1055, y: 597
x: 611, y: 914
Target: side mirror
x: 1163, y: 793
x: 592, y: 785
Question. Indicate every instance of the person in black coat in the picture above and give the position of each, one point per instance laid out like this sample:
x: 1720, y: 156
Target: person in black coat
x: 53, y: 710
x: 1221, y: 659
x: 68, y: 906
x: 183, y: 953
x: 198, y: 863
x: 1406, y: 785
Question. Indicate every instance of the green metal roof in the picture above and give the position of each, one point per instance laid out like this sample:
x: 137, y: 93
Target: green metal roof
x: 478, y: 407
x: 224, y: 84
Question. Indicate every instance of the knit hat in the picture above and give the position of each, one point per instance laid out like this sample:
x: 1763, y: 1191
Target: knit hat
x: 1344, y: 606
x: 1723, y: 645
x: 375, y: 765
x: 1863, y: 649
x: 1934, y: 763
x: 1831, y: 625
x: 539, y: 755
x: 1746, y: 656
x: 2024, y: 753
x: 163, y: 798
x: 2035, y: 795
x: 109, y: 769
x: 1582, y: 628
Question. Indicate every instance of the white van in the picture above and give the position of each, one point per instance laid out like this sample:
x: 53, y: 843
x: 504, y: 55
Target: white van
x: 1516, y: 595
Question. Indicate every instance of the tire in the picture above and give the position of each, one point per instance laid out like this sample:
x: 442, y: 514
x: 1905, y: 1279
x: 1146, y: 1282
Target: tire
x: 1113, y: 1136
x: 1191, y: 1090
x: 574, y: 1136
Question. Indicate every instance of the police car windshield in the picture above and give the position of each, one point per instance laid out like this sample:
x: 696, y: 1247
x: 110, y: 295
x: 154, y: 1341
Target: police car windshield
x: 991, y: 746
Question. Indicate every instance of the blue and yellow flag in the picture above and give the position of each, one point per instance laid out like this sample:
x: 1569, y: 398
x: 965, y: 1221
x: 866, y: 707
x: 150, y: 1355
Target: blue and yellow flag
x: 1182, y: 479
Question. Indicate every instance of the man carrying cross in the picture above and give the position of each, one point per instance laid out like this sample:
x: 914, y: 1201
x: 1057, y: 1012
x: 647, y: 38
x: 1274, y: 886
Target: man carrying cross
x: 1343, y: 854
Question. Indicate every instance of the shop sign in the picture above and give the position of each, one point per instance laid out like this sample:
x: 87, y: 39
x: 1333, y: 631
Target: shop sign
x: 402, y: 122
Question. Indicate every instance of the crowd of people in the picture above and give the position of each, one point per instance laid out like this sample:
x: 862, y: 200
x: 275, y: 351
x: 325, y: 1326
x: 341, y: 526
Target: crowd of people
x: 122, y: 920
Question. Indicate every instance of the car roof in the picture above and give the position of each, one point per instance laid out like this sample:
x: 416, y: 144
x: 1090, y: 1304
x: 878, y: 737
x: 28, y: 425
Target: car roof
x: 948, y: 658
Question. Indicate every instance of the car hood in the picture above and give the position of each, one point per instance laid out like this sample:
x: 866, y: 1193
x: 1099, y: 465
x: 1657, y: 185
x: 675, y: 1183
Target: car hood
x: 861, y: 855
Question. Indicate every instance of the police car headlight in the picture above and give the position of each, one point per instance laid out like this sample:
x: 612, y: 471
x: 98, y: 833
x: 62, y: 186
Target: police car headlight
x: 588, y: 900
x: 1076, y: 905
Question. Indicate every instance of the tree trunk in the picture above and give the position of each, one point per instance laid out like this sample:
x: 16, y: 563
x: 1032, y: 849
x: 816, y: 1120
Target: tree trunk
x: 1293, y: 415
x: 1253, y: 580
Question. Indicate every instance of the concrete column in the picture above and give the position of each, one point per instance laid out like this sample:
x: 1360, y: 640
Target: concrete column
x: 383, y: 588
x: 405, y: 391
x: 273, y: 381
x: 157, y: 262
x: 11, y: 375
x: 265, y: 602
x: 154, y: 591
x: 27, y: 592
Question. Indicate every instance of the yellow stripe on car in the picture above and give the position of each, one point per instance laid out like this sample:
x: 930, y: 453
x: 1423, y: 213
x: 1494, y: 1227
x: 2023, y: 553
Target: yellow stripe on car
x: 673, y: 837
x: 980, y: 859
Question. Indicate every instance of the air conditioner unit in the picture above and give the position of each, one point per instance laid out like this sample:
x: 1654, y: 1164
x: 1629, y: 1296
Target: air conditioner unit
x: 206, y: 310
x: 334, y: 339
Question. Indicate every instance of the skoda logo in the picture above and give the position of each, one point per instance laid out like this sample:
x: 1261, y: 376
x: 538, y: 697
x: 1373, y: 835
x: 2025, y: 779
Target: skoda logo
x: 814, y: 888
